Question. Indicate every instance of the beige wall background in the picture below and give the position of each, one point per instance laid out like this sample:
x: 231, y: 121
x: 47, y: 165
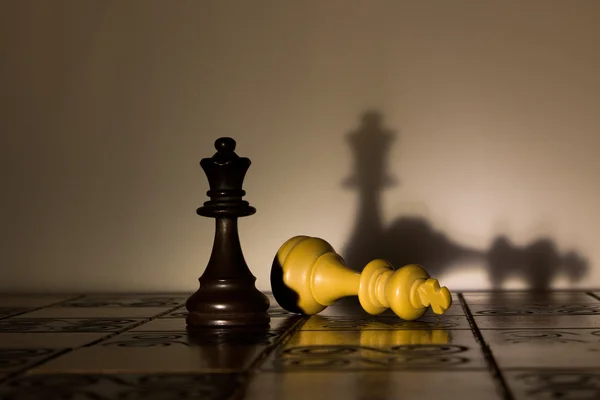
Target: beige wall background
x: 108, y: 106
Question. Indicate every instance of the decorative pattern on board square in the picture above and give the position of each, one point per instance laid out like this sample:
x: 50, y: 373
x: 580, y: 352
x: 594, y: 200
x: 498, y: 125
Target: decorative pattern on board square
x: 342, y: 357
x: 95, y: 312
x: 130, y: 387
x: 230, y: 337
x: 374, y: 385
x: 147, y: 339
x: 15, y: 359
x: 377, y: 350
x: 544, y: 348
x: 116, y: 301
x: 154, y: 359
x: 66, y: 325
x: 49, y: 340
x: 535, y: 309
x: 533, y: 336
x: 317, y: 322
x: 532, y: 321
x: 543, y: 384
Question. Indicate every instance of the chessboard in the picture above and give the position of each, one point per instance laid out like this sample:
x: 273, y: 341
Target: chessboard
x: 488, y: 345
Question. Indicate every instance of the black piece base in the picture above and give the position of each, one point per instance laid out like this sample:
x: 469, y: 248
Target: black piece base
x: 227, y: 304
x: 197, y: 320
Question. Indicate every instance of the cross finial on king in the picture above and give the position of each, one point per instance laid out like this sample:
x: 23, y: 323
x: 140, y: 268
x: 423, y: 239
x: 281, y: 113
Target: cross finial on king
x: 225, y: 171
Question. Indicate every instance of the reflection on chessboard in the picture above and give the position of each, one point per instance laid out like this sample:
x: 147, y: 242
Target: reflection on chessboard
x: 511, y: 345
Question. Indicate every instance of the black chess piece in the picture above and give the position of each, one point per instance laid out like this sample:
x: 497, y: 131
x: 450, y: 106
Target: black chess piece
x: 227, y: 296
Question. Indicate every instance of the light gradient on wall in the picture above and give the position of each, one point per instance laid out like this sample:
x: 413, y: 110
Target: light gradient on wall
x: 109, y: 106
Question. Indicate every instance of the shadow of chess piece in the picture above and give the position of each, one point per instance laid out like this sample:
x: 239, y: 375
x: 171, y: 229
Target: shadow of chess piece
x: 416, y: 240
x: 370, y: 145
x: 538, y: 264
x: 407, y: 239
x: 227, y: 296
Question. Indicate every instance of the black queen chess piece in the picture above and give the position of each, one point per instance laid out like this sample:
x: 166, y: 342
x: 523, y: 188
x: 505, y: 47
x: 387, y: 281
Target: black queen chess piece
x: 227, y: 297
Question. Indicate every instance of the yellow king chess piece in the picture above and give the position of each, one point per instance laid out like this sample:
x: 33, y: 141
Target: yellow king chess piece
x: 308, y: 275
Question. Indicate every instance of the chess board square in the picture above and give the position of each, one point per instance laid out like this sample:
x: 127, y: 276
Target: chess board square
x: 317, y: 322
x: 96, y: 312
x: 537, y: 321
x: 129, y: 386
x: 18, y: 359
x: 151, y: 356
x: 516, y: 298
x: 179, y: 312
x: 373, y: 385
x: 179, y: 324
x: 67, y: 324
x: 32, y: 301
x: 162, y: 325
x: 138, y: 300
x: 377, y: 350
x: 229, y: 337
x: 12, y: 311
x: 544, y: 348
x: 456, y: 309
x: 535, y: 309
x: 277, y: 311
x: 59, y: 340
x: 553, y: 383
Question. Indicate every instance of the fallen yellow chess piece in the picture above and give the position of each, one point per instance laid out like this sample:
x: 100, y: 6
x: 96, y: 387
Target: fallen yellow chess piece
x: 308, y: 276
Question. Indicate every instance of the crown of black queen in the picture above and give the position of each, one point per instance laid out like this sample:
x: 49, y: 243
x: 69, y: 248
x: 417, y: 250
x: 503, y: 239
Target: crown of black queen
x: 225, y: 171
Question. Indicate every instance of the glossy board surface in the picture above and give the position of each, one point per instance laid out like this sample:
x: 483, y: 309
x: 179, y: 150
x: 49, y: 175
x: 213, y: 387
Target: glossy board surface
x: 510, y: 345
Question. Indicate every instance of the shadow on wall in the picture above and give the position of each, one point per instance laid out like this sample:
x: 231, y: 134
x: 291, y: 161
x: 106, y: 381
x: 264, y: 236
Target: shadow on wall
x: 413, y: 240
